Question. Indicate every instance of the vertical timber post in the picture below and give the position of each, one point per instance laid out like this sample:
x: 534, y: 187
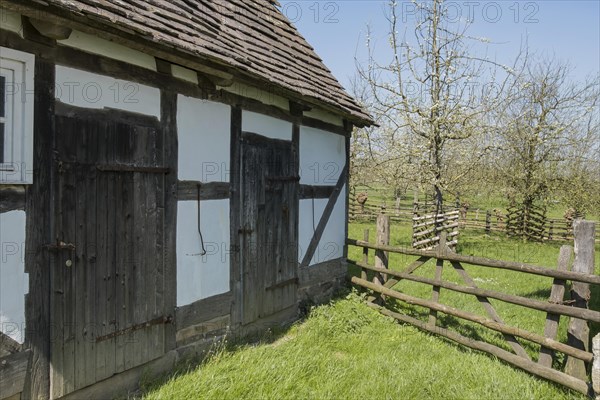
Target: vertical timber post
x: 383, y: 238
x: 363, y: 272
x: 439, y: 267
x: 579, y: 332
x: 488, y: 222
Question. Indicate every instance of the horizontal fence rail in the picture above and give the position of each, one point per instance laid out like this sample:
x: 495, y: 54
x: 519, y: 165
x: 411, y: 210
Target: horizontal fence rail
x: 577, y: 349
x: 483, y: 262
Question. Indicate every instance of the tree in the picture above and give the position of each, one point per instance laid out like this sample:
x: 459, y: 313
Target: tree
x: 548, y: 133
x: 429, y: 98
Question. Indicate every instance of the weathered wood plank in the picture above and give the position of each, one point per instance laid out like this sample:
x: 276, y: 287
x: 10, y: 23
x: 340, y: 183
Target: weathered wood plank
x: 196, y: 190
x: 363, y: 272
x: 40, y: 228
x: 578, y: 334
x: 315, y: 192
x: 104, y: 277
x: 8, y: 345
x: 171, y: 150
x: 12, y: 198
x: 203, y: 310
x: 556, y: 296
x: 107, y: 114
x: 235, y: 217
x: 485, y: 262
x: 269, y: 226
x: 529, y: 366
x: 483, y: 321
x: 589, y: 315
x: 13, y: 370
x: 439, y: 269
x: 383, y: 238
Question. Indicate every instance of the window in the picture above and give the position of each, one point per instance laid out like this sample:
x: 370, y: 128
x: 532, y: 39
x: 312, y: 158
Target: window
x: 16, y: 116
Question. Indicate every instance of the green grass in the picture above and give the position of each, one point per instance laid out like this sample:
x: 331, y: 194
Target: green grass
x: 495, y: 246
x: 480, y: 200
x: 345, y: 350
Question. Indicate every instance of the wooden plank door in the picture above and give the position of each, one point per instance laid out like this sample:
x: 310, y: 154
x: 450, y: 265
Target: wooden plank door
x: 269, y: 227
x: 108, y: 305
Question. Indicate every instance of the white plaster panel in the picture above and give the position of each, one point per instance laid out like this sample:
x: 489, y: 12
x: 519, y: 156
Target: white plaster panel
x: 199, y: 277
x: 322, y: 156
x: 103, y: 47
x: 331, y: 245
x: 89, y: 90
x: 14, y: 282
x: 204, y: 140
x: 11, y: 21
x: 266, y: 126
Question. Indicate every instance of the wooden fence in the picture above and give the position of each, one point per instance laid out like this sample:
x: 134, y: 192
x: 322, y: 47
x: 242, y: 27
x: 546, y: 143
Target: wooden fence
x: 487, y: 221
x: 383, y: 280
x: 428, y: 228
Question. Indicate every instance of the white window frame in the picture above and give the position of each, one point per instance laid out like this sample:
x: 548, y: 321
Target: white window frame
x: 18, y: 69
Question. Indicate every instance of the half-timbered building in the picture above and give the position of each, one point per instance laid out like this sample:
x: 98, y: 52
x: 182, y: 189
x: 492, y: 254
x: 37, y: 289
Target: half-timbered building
x: 170, y: 171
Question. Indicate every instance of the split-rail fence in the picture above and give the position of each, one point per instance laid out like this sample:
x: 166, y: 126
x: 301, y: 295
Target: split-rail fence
x: 381, y: 279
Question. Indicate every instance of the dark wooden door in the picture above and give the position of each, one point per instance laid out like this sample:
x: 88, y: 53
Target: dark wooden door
x: 269, y: 207
x: 108, y: 302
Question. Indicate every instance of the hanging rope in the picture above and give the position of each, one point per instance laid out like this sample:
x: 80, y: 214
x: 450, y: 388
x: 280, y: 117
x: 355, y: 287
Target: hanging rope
x: 203, y: 250
x: 313, y: 209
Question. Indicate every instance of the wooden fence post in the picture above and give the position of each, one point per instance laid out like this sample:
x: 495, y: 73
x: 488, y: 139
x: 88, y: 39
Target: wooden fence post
x: 488, y: 222
x: 363, y: 272
x: 596, y: 366
x: 557, y: 295
x: 383, y: 238
x: 439, y: 267
x: 579, y: 332
x: 551, y: 230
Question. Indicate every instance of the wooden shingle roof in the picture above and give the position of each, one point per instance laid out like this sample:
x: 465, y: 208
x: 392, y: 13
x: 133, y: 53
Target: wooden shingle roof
x: 251, y: 36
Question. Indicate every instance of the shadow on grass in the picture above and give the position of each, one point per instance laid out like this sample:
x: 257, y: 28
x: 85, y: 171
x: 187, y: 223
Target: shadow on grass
x: 219, y: 346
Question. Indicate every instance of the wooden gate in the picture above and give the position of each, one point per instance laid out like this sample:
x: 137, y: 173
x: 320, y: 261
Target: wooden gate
x: 269, y: 207
x: 107, y: 289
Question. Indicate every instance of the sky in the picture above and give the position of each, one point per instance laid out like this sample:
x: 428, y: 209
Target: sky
x: 567, y: 30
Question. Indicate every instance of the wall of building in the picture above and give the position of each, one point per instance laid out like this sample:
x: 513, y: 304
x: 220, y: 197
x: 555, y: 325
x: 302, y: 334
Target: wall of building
x: 204, y: 156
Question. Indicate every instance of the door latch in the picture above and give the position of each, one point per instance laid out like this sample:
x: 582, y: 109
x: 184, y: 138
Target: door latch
x: 60, y: 246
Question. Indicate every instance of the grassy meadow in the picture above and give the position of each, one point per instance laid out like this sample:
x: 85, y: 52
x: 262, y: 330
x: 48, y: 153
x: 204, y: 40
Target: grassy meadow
x: 347, y: 350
